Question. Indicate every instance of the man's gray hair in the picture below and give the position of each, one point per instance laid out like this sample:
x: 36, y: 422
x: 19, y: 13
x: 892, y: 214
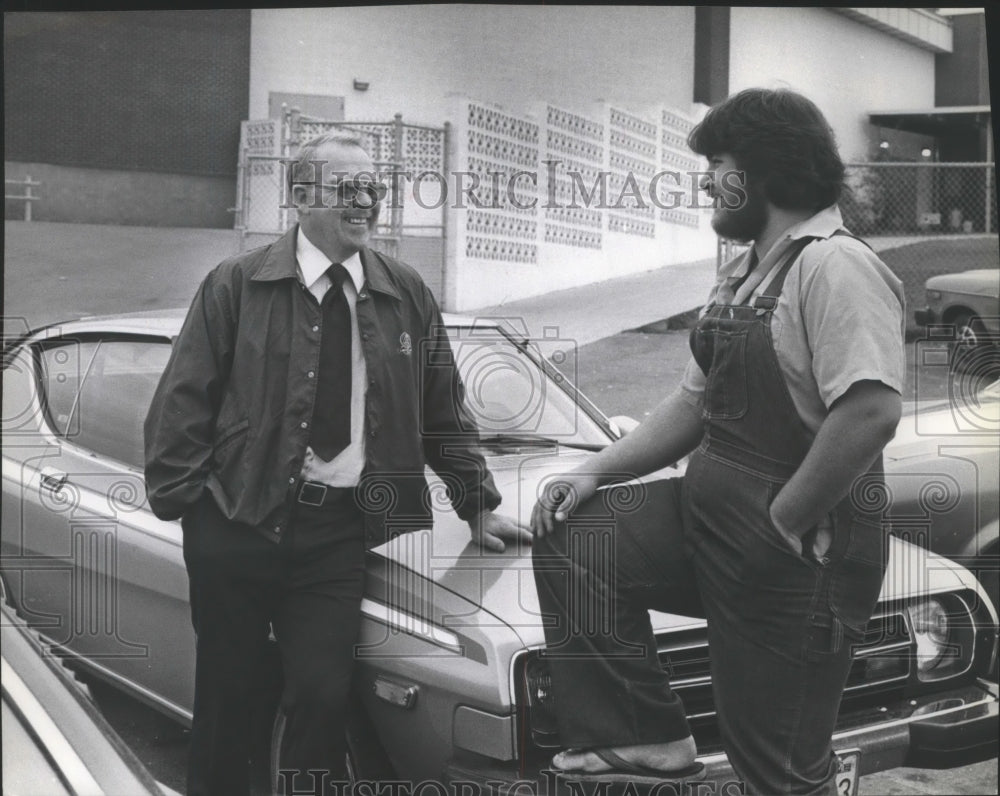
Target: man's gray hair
x: 301, y: 170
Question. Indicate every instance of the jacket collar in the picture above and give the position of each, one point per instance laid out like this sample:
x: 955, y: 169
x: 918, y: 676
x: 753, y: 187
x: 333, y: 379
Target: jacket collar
x: 280, y: 263
x: 377, y: 274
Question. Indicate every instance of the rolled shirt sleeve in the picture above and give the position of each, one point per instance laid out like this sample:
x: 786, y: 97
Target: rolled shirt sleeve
x: 852, y: 313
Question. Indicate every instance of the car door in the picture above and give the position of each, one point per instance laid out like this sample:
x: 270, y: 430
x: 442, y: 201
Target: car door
x: 87, y: 561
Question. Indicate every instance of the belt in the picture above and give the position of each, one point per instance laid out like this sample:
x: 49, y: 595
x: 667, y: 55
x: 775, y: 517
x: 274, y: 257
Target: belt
x: 314, y: 493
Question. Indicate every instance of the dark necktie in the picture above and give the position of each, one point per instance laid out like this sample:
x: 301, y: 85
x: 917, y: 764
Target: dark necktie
x: 331, y: 425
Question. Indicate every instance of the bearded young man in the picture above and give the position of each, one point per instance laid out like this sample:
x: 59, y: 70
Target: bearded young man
x: 793, y: 390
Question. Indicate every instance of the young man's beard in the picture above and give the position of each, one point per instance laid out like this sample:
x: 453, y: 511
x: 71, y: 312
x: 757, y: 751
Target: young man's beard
x: 745, y: 222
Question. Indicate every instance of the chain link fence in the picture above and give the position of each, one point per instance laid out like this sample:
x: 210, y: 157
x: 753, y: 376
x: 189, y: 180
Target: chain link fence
x: 920, y: 198
x: 924, y: 219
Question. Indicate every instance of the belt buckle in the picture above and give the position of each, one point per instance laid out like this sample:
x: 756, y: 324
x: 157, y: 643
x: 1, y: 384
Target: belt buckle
x: 311, y: 488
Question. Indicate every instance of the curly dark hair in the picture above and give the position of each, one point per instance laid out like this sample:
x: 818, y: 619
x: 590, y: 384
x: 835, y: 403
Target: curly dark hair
x: 781, y: 140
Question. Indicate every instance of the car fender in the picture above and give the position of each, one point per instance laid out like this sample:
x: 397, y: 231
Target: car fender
x: 983, y: 542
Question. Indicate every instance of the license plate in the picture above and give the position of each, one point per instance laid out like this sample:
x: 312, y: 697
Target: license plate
x: 848, y: 764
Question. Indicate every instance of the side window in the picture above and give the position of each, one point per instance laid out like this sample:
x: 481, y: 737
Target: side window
x: 98, y: 392
x: 62, y: 365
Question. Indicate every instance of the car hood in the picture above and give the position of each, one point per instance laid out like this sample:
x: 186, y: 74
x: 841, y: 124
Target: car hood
x: 982, y: 282
x: 972, y: 422
x: 502, y: 584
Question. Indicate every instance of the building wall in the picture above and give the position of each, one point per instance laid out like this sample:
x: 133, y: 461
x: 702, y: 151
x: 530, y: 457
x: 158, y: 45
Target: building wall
x: 533, y: 231
x: 963, y: 76
x: 117, y: 96
x: 430, y: 62
x: 132, y: 197
x: 845, y: 67
x: 413, y: 57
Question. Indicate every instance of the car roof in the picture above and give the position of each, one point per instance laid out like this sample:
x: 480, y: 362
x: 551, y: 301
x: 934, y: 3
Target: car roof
x: 167, y: 323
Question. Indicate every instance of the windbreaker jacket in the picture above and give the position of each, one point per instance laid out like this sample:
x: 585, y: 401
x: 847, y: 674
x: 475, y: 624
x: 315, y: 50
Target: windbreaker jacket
x: 232, y: 409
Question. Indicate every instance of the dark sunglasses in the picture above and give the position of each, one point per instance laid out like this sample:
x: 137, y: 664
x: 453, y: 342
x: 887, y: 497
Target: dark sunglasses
x: 358, y: 193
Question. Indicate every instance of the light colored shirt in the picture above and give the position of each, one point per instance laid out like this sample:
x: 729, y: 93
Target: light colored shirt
x: 345, y: 468
x: 840, y: 318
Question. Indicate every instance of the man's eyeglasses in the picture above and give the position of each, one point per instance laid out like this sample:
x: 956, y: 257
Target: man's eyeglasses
x: 357, y: 193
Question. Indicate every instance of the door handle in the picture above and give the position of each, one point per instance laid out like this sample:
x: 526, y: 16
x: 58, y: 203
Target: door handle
x: 52, y: 479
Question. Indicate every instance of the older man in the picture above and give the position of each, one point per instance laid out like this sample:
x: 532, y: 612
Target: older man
x: 299, y: 382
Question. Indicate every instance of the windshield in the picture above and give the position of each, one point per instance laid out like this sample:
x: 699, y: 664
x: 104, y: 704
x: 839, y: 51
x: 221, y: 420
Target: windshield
x: 509, y: 393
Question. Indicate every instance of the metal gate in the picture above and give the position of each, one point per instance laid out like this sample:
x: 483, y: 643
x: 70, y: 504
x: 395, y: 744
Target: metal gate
x: 407, y: 154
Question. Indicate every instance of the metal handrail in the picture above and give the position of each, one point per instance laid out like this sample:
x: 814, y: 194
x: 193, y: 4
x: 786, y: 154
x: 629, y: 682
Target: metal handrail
x: 27, y: 197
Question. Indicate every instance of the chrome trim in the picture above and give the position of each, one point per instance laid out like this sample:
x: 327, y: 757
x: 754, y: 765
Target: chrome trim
x: 867, y: 653
x: 59, y: 750
x: 143, y: 693
x: 412, y: 625
x: 691, y: 682
x: 679, y: 647
x: 902, y: 678
x: 912, y: 719
x: 720, y: 757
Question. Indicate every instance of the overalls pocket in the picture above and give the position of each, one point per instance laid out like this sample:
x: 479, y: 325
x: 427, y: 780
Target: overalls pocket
x: 726, y: 386
x: 856, y: 576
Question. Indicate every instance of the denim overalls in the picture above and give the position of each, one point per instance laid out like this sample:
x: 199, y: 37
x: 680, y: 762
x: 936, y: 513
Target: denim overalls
x: 780, y: 625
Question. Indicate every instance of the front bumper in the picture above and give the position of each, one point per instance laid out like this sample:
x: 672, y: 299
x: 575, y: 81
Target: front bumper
x: 925, y: 316
x: 945, y: 730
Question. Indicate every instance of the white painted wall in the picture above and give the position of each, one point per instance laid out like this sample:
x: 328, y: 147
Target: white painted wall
x: 845, y: 67
x: 419, y: 60
x: 414, y: 56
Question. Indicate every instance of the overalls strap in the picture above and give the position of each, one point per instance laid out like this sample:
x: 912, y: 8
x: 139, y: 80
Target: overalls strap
x: 768, y: 300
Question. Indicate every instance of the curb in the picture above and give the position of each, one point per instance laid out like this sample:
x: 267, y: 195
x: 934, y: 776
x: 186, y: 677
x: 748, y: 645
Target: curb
x: 681, y: 320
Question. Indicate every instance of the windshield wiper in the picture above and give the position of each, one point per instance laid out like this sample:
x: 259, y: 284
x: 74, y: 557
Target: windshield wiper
x: 535, y: 441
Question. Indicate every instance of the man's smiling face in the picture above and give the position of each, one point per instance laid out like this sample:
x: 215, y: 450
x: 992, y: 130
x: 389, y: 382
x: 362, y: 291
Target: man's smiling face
x: 337, y: 228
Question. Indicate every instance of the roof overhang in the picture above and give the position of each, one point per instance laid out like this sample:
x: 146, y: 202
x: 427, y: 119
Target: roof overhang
x: 934, y: 121
x: 920, y: 27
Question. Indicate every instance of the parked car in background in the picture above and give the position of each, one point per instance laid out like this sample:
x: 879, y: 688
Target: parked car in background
x: 943, y: 477
x: 451, y: 684
x: 968, y: 303
x: 55, y: 741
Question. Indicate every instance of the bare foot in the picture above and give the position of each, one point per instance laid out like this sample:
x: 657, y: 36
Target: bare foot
x: 667, y: 756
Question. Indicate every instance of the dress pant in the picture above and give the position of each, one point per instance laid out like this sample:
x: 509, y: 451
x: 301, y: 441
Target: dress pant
x: 308, y: 588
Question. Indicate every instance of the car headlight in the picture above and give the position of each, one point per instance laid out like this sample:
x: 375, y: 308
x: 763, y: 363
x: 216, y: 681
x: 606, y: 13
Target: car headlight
x: 943, y: 637
x: 930, y: 634
x: 933, y: 294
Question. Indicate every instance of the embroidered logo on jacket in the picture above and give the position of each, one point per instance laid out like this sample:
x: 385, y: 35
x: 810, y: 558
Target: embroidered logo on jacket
x: 405, y: 346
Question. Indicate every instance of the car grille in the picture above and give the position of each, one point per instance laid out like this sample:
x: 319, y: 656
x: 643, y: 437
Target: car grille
x: 881, y: 667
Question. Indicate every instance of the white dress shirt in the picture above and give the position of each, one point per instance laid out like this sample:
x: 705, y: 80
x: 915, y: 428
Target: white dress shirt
x: 344, y: 470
